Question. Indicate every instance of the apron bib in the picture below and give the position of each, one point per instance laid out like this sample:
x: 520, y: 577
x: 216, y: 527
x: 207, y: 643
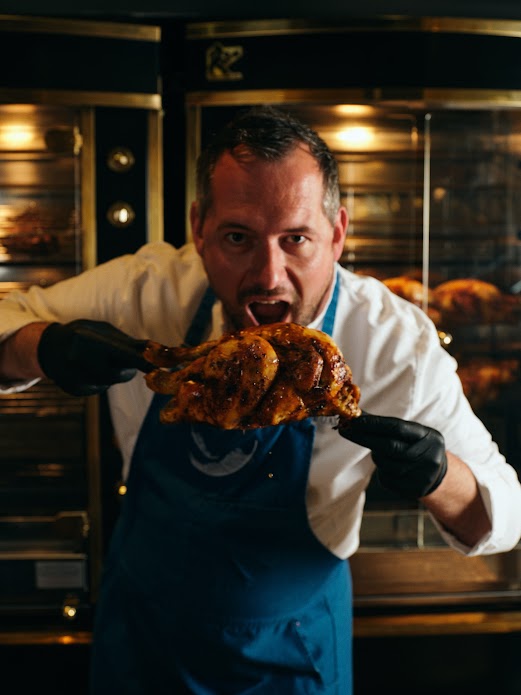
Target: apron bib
x: 214, y: 583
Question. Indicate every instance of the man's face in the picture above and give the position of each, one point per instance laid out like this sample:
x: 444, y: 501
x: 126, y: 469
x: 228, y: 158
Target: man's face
x: 266, y: 244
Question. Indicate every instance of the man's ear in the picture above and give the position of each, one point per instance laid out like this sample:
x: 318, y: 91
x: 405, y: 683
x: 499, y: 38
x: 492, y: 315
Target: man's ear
x: 339, y: 232
x: 196, y: 226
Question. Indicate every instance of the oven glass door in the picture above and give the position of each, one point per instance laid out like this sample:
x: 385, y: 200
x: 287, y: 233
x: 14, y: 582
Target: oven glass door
x: 44, y: 481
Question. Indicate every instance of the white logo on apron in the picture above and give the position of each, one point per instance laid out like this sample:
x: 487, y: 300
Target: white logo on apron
x: 210, y: 464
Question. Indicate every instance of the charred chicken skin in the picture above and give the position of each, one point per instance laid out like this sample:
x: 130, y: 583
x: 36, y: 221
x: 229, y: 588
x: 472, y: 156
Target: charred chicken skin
x: 256, y: 377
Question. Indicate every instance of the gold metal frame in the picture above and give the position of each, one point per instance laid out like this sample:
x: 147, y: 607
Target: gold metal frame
x: 73, y: 27
x: 89, y: 252
x: 46, y: 636
x: 193, y: 148
x: 88, y: 188
x: 94, y: 29
x: 75, y: 98
x: 385, y: 23
x: 475, y: 622
x: 155, y: 196
x: 374, y: 96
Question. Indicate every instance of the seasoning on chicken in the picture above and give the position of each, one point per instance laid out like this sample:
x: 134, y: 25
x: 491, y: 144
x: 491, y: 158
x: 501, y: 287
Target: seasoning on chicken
x: 259, y: 376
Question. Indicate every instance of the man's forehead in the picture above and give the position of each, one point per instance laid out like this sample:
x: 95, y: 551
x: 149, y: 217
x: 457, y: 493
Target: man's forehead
x: 243, y: 157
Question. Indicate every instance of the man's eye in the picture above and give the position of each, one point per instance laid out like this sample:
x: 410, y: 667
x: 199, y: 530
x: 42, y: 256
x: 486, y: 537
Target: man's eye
x: 235, y: 237
x: 296, y: 239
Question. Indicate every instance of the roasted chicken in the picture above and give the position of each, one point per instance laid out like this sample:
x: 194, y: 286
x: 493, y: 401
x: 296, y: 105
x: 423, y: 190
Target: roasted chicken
x: 482, y: 378
x: 469, y: 300
x: 255, y: 377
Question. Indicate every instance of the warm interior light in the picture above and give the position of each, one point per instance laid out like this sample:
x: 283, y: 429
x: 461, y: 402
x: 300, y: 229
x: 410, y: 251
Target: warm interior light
x: 353, y: 109
x: 16, y: 136
x: 439, y: 194
x: 356, y: 136
x: 66, y: 639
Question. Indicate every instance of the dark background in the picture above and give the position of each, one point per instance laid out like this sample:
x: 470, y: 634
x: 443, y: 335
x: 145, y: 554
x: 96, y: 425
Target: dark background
x: 223, y: 9
x: 425, y: 665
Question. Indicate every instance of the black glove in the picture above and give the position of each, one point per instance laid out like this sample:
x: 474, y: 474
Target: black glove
x: 85, y: 357
x: 410, y: 458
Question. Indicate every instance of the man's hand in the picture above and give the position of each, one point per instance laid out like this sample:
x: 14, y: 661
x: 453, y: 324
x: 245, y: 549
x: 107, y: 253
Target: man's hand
x: 410, y: 458
x: 86, y: 357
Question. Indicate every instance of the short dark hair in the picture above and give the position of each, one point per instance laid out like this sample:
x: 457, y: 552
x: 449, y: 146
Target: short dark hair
x: 268, y: 133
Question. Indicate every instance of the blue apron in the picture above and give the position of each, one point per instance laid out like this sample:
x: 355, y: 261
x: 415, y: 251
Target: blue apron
x: 214, y: 583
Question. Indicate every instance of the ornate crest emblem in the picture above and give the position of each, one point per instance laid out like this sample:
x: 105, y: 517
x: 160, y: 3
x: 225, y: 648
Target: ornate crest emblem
x: 220, y: 60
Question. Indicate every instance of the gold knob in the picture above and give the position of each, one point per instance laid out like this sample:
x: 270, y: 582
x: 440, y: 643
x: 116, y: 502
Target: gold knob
x: 120, y: 159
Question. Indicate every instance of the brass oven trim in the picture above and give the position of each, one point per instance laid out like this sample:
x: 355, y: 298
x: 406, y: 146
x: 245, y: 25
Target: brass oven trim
x: 403, y: 97
x: 37, y: 637
x: 93, y: 456
x: 155, y: 196
x: 193, y: 148
x: 89, y: 255
x: 476, y: 622
x: 385, y: 23
x: 77, y: 98
x: 46, y: 25
x: 88, y: 189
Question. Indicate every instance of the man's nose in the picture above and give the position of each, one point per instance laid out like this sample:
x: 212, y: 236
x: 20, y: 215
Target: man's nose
x: 268, y: 266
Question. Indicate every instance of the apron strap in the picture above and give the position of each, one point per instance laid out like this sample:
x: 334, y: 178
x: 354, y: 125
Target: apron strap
x: 201, y: 319
x: 329, y: 318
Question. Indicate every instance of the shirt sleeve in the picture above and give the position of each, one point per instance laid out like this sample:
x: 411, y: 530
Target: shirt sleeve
x: 149, y: 294
x: 438, y: 401
x: 134, y: 292
x: 402, y: 370
x: 77, y: 297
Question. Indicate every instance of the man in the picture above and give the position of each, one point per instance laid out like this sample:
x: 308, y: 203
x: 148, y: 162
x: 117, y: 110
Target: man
x: 227, y: 572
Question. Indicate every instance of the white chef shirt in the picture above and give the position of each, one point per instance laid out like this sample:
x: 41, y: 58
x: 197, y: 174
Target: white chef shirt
x: 391, y: 346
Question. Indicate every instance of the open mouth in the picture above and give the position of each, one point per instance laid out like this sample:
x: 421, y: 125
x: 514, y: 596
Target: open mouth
x: 268, y: 311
